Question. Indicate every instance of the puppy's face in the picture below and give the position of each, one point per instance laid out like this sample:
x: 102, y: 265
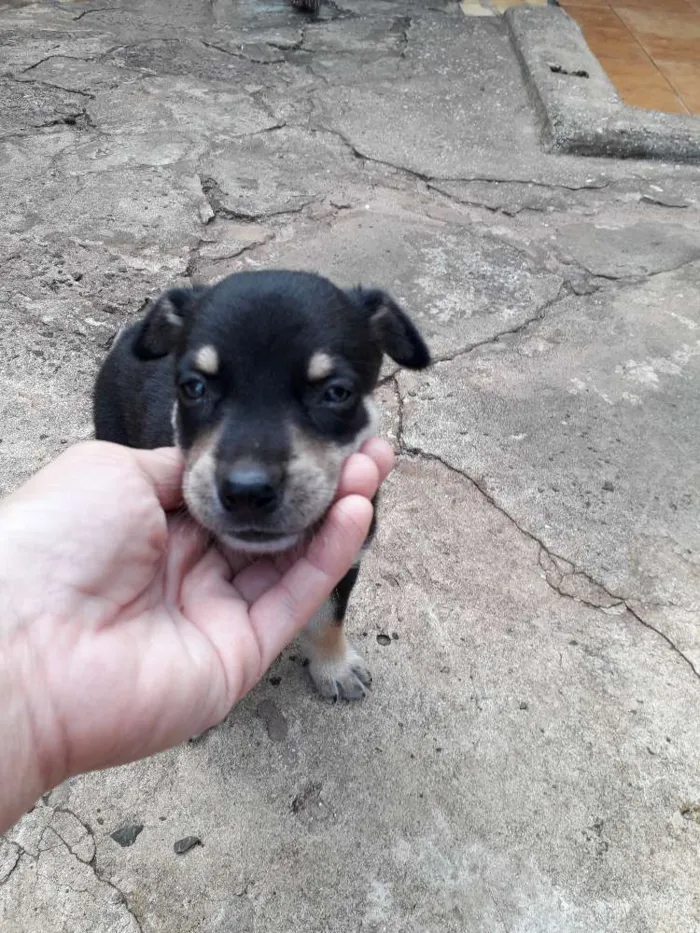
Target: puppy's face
x: 274, y: 373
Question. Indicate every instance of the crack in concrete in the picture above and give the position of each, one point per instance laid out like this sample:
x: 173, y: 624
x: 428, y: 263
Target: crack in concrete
x: 564, y: 292
x: 112, y: 50
x: 18, y: 853
x: 399, y: 410
x: 214, y: 195
x: 72, y: 58
x: 525, y: 183
x: 57, y: 87
x: 432, y: 182
x: 195, y: 258
x: 475, y: 203
x: 80, y: 121
x: 402, y: 26
x: 593, y: 280
x: 627, y: 281
x: 539, y: 315
x: 92, y: 864
x: 558, y: 571
x: 241, y: 55
x: 616, y: 601
x: 102, y: 9
x: 258, y: 97
x: 491, y: 208
x: 290, y: 46
x: 123, y: 900
x: 89, y: 834
x: 358, y: 154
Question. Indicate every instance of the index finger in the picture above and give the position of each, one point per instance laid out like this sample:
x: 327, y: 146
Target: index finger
x: 287, y: 607
x: 365, y: 471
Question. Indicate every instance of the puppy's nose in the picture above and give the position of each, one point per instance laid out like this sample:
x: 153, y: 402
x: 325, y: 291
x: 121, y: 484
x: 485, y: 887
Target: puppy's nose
x: 251, y: 488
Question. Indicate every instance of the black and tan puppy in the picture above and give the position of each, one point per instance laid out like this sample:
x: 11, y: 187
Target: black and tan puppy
x: 265, y: 382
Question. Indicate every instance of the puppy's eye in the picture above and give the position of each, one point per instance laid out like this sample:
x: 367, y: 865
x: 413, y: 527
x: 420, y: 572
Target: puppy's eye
x: 337, y: 395
x: 193, y: 389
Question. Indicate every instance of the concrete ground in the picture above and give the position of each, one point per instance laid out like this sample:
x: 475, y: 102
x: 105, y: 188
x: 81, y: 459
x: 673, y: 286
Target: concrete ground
x: 529, y: 758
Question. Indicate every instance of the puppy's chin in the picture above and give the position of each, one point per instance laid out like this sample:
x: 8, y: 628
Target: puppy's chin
x: 271, y: 546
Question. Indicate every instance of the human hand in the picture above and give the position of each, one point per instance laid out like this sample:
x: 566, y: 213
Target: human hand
x: 123, y: 630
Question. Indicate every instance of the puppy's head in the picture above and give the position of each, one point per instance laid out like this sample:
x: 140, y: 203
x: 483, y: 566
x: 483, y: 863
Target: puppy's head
x: 274, y: 374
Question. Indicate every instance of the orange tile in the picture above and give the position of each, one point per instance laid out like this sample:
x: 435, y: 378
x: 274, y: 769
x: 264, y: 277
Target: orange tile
x: 650, y: 98
x: 684, y: 77
x: 655, y: 6
x: 643, y: 72
x: 602, y: 17
x: 628, y: 36
x: 646, y: 99
x: 665, y: 35
x: 661, y: 23
x: 583, y: 3
x: 603, y: 24
x: 624, y: 48
x: 643, y: 85
x: 606, y: 34
x: 672, y: 49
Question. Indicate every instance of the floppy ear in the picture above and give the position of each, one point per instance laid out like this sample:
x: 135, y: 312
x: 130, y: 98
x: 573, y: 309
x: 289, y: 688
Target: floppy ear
x: 396, y: 334
x: 165, y: 322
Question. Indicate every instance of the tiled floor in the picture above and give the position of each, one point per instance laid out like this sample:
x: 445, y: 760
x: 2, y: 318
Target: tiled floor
x: 650, y: 49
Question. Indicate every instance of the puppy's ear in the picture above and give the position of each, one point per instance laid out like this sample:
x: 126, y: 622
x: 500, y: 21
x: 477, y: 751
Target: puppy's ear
x: 165, y: 322
x: 396, y: 334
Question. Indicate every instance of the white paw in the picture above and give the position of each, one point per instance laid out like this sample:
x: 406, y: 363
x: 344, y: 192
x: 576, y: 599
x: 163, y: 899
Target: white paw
x: 345, y: 678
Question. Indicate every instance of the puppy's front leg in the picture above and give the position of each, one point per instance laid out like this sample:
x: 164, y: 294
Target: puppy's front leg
x: 336, y: 669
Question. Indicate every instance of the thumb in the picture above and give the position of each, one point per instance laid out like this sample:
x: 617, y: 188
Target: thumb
x: 163, y: 469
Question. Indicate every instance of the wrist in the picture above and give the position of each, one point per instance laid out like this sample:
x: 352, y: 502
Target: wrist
x: 26, y: 769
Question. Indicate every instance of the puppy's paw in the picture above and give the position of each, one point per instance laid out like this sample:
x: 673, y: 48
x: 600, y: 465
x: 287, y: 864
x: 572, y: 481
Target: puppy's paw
x: 344, y: 678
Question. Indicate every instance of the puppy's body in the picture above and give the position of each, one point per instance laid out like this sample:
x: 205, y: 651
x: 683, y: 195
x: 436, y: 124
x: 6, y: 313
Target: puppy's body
x: 265, y: 382
x: 134, y: 400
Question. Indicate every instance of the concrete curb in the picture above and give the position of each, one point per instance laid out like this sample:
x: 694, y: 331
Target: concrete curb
x: 579, y: 107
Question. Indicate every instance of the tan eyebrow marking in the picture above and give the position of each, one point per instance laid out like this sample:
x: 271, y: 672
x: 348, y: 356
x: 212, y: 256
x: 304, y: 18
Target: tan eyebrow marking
x: 207, y: 359
x: 320, y: 366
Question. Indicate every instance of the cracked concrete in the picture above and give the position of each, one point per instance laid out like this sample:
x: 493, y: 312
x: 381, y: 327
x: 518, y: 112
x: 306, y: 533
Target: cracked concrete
x: 529, y: 757
x: 554, y: 424
x: 57, y: 854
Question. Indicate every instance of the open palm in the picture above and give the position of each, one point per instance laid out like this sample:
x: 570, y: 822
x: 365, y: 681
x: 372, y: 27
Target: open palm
x: 128, y: 631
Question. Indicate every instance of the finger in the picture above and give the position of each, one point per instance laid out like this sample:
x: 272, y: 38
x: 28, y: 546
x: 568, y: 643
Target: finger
x: 211, y: 571
x: 359, y: 477
x: 256, y: 579
x: 283, y: 610
x: 382, y: 453
x: 163, y: 468
x: 213, y: 605
x: 237, y: 560
x: 187, y: 543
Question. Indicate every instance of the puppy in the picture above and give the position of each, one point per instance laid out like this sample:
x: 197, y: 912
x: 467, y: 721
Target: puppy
x: 265, y: 382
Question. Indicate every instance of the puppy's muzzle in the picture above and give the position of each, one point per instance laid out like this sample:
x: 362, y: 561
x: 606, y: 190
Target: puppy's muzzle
x: 250, y: 491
